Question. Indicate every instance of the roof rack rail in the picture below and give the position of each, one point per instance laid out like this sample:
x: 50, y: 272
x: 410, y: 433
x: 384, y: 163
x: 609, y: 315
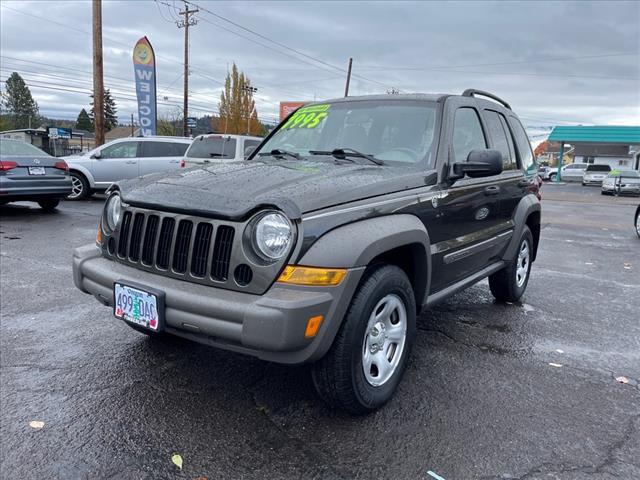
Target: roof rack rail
x: 472, y: 92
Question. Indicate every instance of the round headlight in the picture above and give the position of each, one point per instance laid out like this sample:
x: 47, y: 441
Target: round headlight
x: 272, y: 236
x: 112, y: 211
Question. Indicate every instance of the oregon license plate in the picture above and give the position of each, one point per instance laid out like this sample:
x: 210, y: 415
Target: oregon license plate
x: 139, y: 305
x: 37, y: 171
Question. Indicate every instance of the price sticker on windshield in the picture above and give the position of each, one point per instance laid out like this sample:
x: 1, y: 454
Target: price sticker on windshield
x: 307, y: 117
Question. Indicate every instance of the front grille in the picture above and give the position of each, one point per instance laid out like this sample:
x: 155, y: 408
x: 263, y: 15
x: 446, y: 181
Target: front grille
x: 181, y: 246
x: 200, y: 250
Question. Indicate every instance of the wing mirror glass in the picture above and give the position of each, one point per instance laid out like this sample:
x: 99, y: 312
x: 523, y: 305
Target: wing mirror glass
x: 480, y: 163
x: 97, y: 156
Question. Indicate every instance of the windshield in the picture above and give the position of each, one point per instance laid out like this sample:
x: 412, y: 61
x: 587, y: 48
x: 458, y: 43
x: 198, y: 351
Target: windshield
x: 389, y: 130
x: 598, y: 168
x: 15, y: 147
x: 212, y: 147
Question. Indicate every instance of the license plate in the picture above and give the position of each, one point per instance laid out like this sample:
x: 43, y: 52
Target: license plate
x: 37, y: 171
x: 139, y: 305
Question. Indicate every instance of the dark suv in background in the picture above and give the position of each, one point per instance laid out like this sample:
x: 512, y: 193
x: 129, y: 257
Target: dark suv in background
x: 351, y: 218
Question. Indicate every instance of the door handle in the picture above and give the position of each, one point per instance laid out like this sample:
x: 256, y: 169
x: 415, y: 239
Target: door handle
x: 131, y: 162
x: 493, y: 190
x: 174, y: 161
x: 524, y: 183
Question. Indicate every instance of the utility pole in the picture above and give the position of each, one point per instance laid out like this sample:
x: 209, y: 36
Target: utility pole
x: 251, y: 90
x: 186, y: 23
x: 98, y: 85
x: 132, y: 125
x: 346, y: 88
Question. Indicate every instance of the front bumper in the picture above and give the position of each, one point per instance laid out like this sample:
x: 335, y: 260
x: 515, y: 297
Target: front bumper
x: 269, y: 326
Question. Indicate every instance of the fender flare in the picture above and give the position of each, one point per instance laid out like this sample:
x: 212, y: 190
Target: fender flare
x: 528, y: 205
x: 84, y: 171
x: 374, y: 237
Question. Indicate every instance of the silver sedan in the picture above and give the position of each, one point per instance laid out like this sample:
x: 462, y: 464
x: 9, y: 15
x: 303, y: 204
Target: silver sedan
x: 28, y: 173
x: 622, y: 182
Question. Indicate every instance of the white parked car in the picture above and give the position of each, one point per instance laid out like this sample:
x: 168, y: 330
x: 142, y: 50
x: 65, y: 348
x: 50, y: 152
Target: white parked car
x: 622, y: 182
x: 122, y: 159
x: 595, y: 174
x: 217, y: 148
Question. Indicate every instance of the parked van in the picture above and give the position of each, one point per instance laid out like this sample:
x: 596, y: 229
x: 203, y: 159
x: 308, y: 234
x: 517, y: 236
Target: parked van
x: 219, y: 148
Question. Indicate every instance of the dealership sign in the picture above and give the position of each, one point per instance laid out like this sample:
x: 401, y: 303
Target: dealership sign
x: 286, y: 108
x: 144, y: 68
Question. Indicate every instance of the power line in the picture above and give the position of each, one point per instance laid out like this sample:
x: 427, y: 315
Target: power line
x: 555, y: 59
x: 282, y: 45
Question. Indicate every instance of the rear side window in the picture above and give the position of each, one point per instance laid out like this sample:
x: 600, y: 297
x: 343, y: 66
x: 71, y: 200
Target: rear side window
x: 501, y: 139
x: 163, y: 149
x: 467, y: 134
x: 598, y: 168
x: 251, y: 143
x: 524, y: 146
x: 212, y: 147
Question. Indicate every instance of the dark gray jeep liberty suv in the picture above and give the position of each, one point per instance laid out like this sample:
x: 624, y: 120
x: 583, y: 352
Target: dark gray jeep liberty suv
x: 351, y: 218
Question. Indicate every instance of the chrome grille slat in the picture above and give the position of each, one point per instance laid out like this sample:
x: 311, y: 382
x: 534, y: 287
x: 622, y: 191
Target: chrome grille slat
x: 182, y: 246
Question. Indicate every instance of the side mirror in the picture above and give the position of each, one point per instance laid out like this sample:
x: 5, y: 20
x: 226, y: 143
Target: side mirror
x: 480, y: 163
x: 248, y: 151
x: 97, y: 156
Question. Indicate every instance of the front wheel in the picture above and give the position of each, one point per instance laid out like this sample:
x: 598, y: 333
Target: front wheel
x: 638, y: 222
x: 49, y: 205
x: 369, y: 355
x: 509, y: 284
x: 552, y: 177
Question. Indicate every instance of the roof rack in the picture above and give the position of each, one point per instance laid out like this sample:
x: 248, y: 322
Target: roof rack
x: 472, y: 92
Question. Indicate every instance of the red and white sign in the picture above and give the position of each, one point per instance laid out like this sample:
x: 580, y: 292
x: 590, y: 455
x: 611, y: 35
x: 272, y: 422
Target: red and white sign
x: 289, y: 107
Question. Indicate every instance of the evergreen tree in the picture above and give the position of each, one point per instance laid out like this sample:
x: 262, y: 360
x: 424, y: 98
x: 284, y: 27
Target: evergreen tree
x: 84, y: 121
x: 110, y: 111
x: 238, y: 114
x: 19, y: 107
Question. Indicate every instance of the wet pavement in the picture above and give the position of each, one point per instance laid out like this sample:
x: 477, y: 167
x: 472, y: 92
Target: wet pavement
x: 480, y: 399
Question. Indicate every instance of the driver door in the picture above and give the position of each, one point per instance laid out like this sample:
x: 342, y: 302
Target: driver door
x: 468, y: 215
x: 117, y: 161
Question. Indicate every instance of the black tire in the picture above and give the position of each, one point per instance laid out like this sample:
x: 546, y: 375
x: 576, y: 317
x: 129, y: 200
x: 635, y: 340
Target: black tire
x: 49, y: 205
x: 339, y: 377
x: 637, y: 224
x: 79, y: 181
x: 552, y: 177
x: 504, y: 284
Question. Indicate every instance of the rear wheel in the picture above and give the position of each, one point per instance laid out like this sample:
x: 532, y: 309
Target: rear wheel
x: 49, y: 205
x: 369, y: 355
x: 509, y: 284
x: 79, y: 187
x: 552, y: 177
x: 638, y: 222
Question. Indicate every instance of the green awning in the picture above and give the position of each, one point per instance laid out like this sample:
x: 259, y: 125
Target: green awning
x: 596, y: 134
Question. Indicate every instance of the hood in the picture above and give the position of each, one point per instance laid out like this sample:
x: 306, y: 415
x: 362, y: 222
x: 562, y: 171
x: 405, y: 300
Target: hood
x: 234, y: 190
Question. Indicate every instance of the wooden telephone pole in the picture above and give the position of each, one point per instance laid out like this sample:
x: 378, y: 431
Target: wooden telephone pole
x: 346, y: 88
x: 98, y: 74
x: 186, y: 23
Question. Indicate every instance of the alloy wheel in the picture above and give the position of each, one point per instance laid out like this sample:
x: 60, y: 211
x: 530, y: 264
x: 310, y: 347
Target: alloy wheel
x: 77, y: 187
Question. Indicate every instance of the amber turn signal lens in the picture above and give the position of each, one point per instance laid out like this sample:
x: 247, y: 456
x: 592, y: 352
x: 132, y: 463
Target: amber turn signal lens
x: 99, y: 235
x: 297, y: 275
x: 313, y: 325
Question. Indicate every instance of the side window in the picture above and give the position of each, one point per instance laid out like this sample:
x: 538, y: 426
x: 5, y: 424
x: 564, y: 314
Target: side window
x: 163, y: 149
x: 524, y: 146
x: 467, y: 134
x: 500, y: 138
x: 251, y: 143
x: 120, y: 150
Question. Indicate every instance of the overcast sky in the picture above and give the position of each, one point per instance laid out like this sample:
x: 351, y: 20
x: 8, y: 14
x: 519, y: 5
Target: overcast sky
x: 555, y: 62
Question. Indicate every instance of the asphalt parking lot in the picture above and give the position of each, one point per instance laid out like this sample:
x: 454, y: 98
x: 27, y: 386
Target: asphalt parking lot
x: 480, y: 400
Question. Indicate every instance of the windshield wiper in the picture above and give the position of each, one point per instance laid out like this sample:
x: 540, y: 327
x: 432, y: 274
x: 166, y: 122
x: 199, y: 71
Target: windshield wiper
x: 343, y: 153
x: 278, y: 152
